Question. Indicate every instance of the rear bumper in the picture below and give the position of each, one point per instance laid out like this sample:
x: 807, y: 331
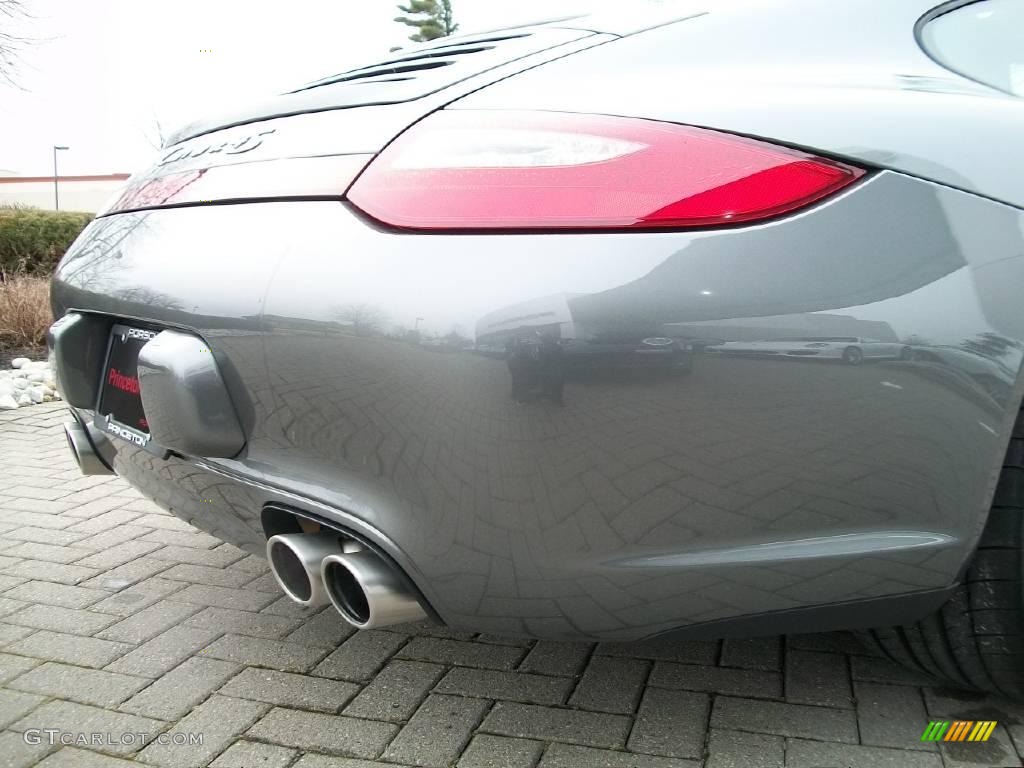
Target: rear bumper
x: 625, y: 506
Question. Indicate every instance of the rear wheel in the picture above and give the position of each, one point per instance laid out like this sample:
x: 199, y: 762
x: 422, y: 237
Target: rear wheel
x: 853, y: 356
x: 976, y: 640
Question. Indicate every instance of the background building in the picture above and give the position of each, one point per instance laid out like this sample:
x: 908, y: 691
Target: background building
x: 77, y: 193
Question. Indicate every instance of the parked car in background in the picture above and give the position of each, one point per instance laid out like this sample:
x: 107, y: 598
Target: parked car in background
x: 685, y: 169
x: 850, y: 349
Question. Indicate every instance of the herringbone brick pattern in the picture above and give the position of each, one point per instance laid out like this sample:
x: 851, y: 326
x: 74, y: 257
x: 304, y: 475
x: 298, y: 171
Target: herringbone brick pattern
x: 117, y: 618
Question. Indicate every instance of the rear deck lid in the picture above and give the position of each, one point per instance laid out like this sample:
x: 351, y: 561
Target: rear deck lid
x: 404, y: 76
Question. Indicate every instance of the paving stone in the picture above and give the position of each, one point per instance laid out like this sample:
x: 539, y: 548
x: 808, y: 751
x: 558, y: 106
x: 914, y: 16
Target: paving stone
x: 327, y: 629
x: 15, y: 753
x: 173, y: 695
x: 43, y: 535
x: 86, y: 686
x: 762, y: 653
x: 128, y: 601
x: 223, y: 597
x: 818, y: 754
x: 127, y: 574
x: 396, y: 691
x: 610, y: 684
x: 188, y: 537
x: 736, y: 682
x: 252, y: 754
x: 202, y: 574
x: 571, y: 756
x: 70, y: 649
x: 486, y: 751
x: 123, y: 553
x: 997, y: 751
x: 11, y: 666
x: 359, y: 657
x: 327, y: 761
x: 53, y: 572
x: 215, y: 558
x: 16, y: 704
x: 148, y: 623
x: 70, y: 620
x: 164, y: 652
x: 219, y: 719
x: 665, y: 649
x: 891, y: 716
x: 61, y: 595
x: 73, y: 757
x: 875, y: 670
x: 670, y: 723
x: 10, y: 633
x: 736, y: 749
x: 51, y: 553
x: 548, y: 657
x: 262, y: 652
x: 333, y: 734
x: 290, y: 690
x: 508, y: 686
x: 263, y: 583
x: 528, y: 721
x: 284, y: 606
x: 244, y: 623
x: 818, y: 678
x: 72, y: 718
x: 461, y: 653
x: 437, y: 733
x: 797, y: 720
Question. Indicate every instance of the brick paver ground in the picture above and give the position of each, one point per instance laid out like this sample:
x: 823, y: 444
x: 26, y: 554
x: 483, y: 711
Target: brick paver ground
x: 118, y: 619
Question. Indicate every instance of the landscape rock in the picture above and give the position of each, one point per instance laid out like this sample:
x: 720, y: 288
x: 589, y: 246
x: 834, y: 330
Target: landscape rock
x: 8, y: 403
x: 20, y: 362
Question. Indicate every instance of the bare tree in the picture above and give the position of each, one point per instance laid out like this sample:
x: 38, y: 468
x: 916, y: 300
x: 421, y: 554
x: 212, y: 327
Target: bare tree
x: 364, y: 319
x: 155, y: 134
x: 11, y: 44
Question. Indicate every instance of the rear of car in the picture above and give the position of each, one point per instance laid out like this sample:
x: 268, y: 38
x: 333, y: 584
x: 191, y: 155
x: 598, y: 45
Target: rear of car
x: 583, y: 196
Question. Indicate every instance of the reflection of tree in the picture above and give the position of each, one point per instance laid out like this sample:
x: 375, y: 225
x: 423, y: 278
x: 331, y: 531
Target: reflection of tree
x: 365, y: 319
x: 990, y: 345
x: 98, y: 245
x: 142, y: 295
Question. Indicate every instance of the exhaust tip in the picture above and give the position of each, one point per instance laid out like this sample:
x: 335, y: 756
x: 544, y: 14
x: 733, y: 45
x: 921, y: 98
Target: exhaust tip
x: 367, y: 591
x: 346, y: 593
x: 89, y: 461
x: 291, y: 575
x: 295, y: 560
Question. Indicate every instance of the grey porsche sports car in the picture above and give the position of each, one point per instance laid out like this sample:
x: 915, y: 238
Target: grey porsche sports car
x: 437, y: 334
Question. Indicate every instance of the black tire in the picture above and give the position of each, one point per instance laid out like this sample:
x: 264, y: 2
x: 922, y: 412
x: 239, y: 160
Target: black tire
x: 976, y: 640
x: 853, y: 356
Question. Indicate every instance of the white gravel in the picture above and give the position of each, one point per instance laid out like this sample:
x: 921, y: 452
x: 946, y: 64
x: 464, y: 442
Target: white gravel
x: 26, y: 383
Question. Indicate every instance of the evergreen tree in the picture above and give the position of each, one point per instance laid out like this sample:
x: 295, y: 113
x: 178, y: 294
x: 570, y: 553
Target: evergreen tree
x: 431, y: 19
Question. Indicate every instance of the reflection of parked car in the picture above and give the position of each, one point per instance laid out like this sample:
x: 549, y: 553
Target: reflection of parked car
x: 850, y: 349
x: 589, y: 347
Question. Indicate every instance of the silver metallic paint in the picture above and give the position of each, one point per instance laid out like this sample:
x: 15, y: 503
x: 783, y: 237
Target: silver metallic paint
x: 645, y: 503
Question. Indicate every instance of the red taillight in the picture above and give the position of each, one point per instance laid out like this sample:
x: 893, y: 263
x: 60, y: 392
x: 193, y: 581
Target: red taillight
x: 466, y: 170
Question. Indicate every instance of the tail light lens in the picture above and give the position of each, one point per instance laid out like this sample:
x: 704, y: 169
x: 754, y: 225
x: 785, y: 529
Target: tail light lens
x: 469, y: 170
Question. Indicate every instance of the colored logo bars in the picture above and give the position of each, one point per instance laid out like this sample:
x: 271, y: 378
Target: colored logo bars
x: 958, y: 730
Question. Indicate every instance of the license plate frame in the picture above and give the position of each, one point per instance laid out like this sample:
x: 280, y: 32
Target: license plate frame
x: 119, y: 411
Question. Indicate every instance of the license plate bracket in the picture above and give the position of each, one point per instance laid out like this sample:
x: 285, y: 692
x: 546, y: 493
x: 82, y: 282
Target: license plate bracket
x: 119, y: 410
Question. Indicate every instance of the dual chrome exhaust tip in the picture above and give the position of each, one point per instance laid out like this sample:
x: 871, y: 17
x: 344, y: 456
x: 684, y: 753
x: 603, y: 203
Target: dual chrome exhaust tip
x: 315, y: 569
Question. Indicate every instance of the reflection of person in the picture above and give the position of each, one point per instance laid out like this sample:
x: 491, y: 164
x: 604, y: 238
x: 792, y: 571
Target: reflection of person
x: 535, y: 362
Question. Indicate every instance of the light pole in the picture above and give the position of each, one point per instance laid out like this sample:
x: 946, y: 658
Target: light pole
x: 56, y: 198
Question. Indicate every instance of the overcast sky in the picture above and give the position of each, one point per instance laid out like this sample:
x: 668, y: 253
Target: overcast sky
x: 104, y: 70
